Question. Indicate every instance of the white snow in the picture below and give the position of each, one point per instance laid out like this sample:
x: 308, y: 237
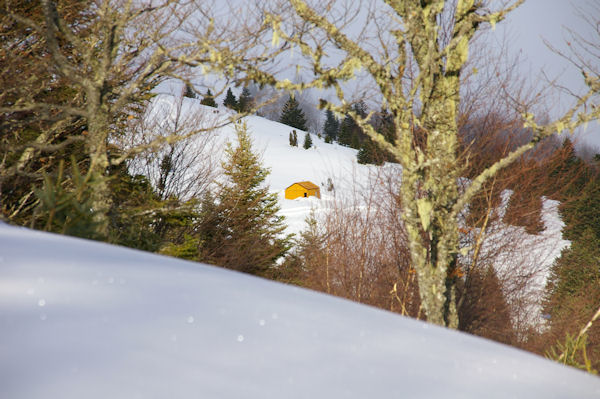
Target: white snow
x: 287, y: 164
x: 81, y: 319
x: 513, y: 251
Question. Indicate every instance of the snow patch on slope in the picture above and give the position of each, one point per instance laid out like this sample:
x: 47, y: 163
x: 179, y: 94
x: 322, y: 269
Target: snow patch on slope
x: 81, y: 319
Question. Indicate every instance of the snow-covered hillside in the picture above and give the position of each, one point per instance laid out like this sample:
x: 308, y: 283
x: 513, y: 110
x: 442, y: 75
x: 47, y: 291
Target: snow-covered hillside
x: 287, y: 164
x: 81, y: 319
x: 513, y: 251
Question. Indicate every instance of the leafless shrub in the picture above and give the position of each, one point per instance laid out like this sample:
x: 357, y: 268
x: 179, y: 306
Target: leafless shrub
x: 179, y: 162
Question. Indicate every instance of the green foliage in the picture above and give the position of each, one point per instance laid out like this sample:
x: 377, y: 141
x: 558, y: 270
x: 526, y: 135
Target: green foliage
x: 65, y: 204
x: 311, y: 242
x: 307, y: 141
x: 386, y: 126
x: 583, y: 212
x: 293, y: 138
x: 188, y: 249
x: 369, y: 153
x: 241, y: 229
x: 346, y: 131
x: 230, y: 100
x: 573, y: 293
x: 572, y: 352
x: 569, y: 172
x: 208, y: 99
x: 308, y: 253
x: 133, y: 223
x: 292, y: 115
x: 350, y: 134
x: 190, y: 92
x: 331, y: 127
x: 245, y: 102
x: 574, y: 274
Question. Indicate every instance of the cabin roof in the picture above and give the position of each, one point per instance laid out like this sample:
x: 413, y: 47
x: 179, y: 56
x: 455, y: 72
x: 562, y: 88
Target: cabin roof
x: 306, y: 184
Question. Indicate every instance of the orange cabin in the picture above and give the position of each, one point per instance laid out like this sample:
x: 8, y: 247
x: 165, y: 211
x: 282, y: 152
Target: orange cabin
x: 302, y: 189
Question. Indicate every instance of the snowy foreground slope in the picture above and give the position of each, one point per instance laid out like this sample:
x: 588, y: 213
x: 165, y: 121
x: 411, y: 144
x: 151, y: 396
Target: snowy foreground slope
x: 80, y: 319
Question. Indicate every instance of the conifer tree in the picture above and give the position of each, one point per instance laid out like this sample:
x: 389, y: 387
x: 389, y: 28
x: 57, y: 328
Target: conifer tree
x: 583, y: 212
x: 293, y: 139
x: 346, y: 130
x: 366, y: 153
x: 189, y: 91
x: 307, y: 141
x: 331, y: 126
x: 246, y: 233
x: 230, y: 100
x: 292, y: 115
x: 570, y: 174
x: 245, y: 102
x: 208, y: 99
x: 573, y: 292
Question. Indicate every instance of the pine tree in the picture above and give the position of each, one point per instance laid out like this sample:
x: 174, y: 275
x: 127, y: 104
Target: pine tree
x: 293, y: 139
x: 189, y: 91
x: 580, y: 193
x: 209, y: 100
x: 292, y: 115
x: 386, y: 126
x: 307, y: 141
x: 366, y: 153
x: 245, y: 102
x: 355, y: 143
x: 346, y: 131
x: 569, y: 172
x: 245, y: 231
x: 573, y: 292
x: 331, y: 127
x: 230, y: 100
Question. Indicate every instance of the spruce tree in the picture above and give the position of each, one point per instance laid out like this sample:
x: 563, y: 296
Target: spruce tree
x: 583, y: 212
x: 366, y: 153
x: 292, y: 115
x: 346, y: 131
x: 386, y: 126
x: 209, y: 100
x: 189, y: 91
x: 230, y: 100
x: 245, y: 229
x: 573, y: 293
x: 307, y: 141
x: 245, y: 102
x: 331, y: 127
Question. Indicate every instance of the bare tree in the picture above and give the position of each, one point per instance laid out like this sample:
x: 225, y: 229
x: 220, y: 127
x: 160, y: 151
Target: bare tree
x: 187, y: 164
x: 421, y: 53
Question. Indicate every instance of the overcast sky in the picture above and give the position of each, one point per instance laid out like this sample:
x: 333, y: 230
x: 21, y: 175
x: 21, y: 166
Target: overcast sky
x: 539, y: 20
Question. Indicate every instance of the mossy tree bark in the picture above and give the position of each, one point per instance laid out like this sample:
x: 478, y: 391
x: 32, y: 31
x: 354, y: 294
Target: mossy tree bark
x: 416, y: 67
x: 107, y: 69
